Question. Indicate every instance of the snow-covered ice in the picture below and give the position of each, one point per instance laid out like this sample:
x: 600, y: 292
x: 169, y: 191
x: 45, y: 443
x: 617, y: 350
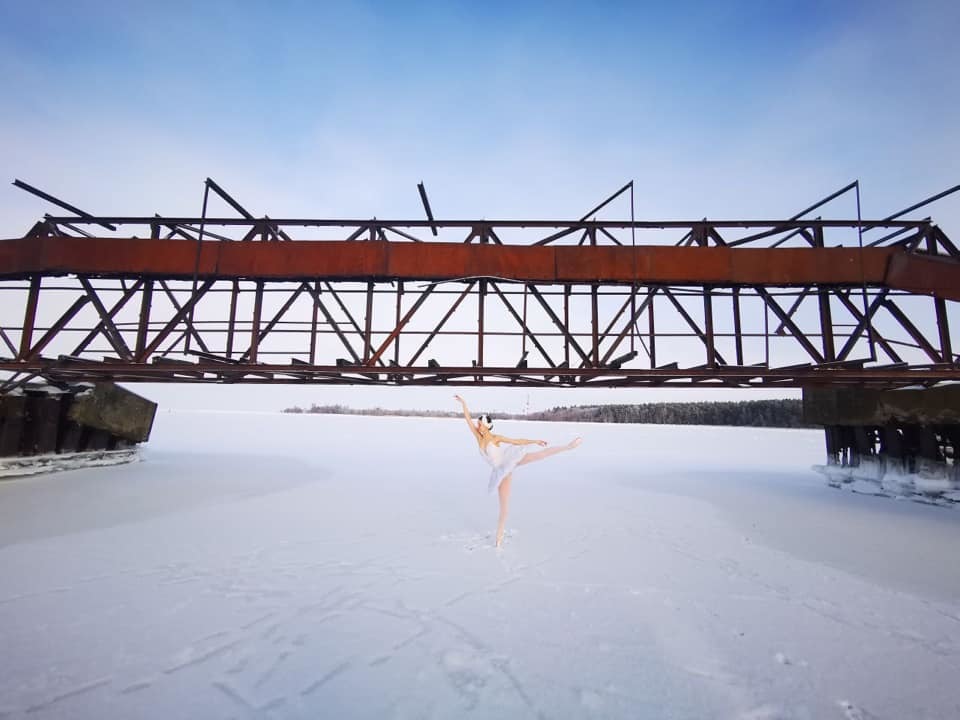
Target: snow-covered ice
x: 274, y: 566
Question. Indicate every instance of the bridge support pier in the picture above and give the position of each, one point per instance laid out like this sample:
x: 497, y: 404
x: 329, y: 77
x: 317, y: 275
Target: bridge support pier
x: 890, y: 442
x: 45, y: 428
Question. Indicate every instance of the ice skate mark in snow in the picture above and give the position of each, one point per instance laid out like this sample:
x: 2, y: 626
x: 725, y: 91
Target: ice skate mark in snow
x: 384, y: 611
x: 465, y: 635
x: 765, y: 712
x: 95, y: 578
x: 40, y: 593
x: 504, y: 669
x: 79, y: 690
x: 256, y: 621
x: 182, y: 580
x: 468, y: 674
x: 271, y: 705
x: 240, y: 666
x: 714, y: 674
x: 269, y: 631
x: 488, y: 589
x: 187, y: 659
x: 852, y: 712
x: 137, y: 686
x: 322, y: 603
x: 268, y: 673
x: 382, y: 659
x: 232, y: 693
x: 320, y: 682
x: 424, y: 631
x: 474, y: 541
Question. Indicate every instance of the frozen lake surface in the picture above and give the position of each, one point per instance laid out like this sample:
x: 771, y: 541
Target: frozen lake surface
x: 296, y: 566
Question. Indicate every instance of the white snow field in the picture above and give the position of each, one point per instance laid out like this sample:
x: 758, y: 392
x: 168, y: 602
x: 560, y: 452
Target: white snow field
x: 298, y: 566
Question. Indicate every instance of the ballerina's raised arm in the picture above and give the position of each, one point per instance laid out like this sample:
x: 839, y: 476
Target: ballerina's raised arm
x: 466, y: 416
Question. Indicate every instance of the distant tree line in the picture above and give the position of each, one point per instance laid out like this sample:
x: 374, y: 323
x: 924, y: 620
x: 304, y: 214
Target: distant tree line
x: 747, y: 413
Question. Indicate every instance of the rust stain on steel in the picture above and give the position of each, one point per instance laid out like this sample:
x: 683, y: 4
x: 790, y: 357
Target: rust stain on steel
x: 915, y: 273
x: 444, y: 261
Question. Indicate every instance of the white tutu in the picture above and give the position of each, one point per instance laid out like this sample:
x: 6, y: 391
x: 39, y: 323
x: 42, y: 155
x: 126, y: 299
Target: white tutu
x: 503, y: 459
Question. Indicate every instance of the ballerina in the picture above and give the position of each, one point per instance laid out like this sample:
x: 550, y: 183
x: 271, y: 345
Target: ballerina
x: 504, y: 454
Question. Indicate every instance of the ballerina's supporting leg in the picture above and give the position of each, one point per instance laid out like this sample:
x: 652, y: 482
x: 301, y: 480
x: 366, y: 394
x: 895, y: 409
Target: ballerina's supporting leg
x: 504, y: 491
x: 541, y: 454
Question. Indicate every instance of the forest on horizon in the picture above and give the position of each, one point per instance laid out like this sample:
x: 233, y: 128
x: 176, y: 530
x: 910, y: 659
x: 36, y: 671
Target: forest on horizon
x: 743, y: 413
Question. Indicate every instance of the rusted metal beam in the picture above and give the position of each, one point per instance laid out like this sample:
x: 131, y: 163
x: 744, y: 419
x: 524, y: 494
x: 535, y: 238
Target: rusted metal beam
x: 790, y: 325
x: 737, y: 330
x: 112, y: 313
x: 863, y: 322
x: 563, y: 327
x: 526, y: 330
x: 938, y: 276
x: 85, y: 216
x: 261, y: 334
x: 331, y: 321
x: 30, y: 316
x: 401, y: 323
x: 110, y: 330
x: 337, y: 260
x: 426, y: 206
x: 174, y: 321
x: 255, y: 325
x: 6, y: 341
x: 460, y: 375
x: 707, y: 340
x: 443, y: 321
x: 313, y: 323
x: 189, y: 317
x: 913, y: 331
x: 57, y: 326
x: 146, y: 301
x: 635, y: 315
x: 708, y: 326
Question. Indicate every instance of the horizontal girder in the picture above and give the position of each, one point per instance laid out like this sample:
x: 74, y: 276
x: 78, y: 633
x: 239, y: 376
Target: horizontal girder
x: 340, y: 260
x: 532, y: 303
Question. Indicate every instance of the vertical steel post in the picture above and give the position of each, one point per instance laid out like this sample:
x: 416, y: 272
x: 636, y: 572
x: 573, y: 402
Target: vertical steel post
x: 396, y: 342
x: 313, y: 322
x: 737, y: 329
x: 650, y: 327
x: 146, y: 299
x: 940, y: 307
x: 196, y: 261
x: 232, y: 320
x: 708, y: 326
x: 480, y: 317
x: 826, y: 317
x: 594, y: 310
x: 255, y: 327
x: 869, y: 328
x: 368, y: 323
x: 29, y: 317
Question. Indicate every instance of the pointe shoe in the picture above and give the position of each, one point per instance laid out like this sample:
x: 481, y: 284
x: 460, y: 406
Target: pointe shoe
x: 574, y: 443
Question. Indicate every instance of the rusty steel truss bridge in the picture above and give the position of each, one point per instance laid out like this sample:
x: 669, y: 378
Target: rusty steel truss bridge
x: 588, y: 302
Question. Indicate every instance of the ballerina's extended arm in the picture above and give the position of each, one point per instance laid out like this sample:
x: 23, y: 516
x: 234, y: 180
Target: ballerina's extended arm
x: 466, y: 416
x: 518, y: 441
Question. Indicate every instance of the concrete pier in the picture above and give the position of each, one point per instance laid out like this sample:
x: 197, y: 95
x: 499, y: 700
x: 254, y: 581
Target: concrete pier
x: 42, y: 421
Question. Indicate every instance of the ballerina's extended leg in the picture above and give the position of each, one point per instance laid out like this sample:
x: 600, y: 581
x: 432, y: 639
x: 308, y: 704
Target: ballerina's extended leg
x: 542, y: 454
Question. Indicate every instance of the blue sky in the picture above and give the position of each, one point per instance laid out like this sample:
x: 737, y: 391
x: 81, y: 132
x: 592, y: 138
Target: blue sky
x: 740, y: 109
